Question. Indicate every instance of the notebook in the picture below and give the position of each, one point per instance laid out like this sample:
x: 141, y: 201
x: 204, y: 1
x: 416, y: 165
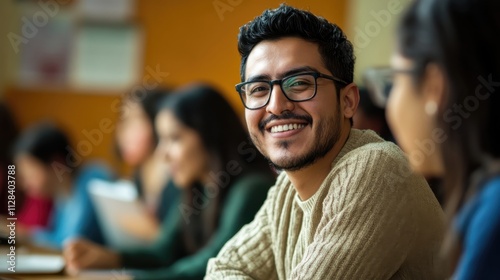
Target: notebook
x: 32, y: 263
x: 116, y: 203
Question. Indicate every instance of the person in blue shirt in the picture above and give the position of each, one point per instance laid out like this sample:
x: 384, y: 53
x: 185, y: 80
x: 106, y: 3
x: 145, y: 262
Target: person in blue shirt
x: 47, y: 166
x: 444, y: 109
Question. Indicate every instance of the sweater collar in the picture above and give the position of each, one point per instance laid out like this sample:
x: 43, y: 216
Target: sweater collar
x: 356, y: 139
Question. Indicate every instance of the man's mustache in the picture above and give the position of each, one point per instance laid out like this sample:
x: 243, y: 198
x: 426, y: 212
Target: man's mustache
x: 285, y: 116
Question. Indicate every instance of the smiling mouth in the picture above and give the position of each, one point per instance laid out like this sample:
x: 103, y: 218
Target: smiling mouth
x: 286, y: 127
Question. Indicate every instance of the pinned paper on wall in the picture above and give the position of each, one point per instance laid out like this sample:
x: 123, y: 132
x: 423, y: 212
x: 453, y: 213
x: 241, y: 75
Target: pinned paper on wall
x: 106, y: 56
x: 106, y: 10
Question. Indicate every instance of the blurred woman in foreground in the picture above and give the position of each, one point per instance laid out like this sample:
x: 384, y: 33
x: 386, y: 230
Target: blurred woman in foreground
x: 444, y: 109
x: 223, y: 178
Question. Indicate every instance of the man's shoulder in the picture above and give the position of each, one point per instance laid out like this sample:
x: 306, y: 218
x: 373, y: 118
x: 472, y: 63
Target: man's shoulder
x: 377, y: 161
x: 369, y: 148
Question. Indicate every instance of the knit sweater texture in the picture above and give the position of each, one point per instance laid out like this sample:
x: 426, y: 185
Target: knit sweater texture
x: 371, y: 218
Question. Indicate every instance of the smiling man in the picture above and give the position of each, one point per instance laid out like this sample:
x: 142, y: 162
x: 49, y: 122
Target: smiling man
x: 346, y: 206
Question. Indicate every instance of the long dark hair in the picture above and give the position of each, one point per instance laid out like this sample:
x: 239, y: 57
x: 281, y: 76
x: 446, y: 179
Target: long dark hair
x: 460, y: 37
x: 202, y: 108
x: 9, y: 133
x: 9, y: 130
x: 49, y: 144
x: 44, y: 141
x: 148, y: 101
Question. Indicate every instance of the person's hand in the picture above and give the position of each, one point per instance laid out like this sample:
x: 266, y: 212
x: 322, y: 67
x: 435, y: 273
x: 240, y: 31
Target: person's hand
x: 143, y: 227
x: 82, y: 254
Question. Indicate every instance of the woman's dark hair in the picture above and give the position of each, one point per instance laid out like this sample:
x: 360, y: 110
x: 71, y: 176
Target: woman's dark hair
x: 286, y: 21
x: 148, y: 101
x: 461, y: 38
x: 9, y: 133
x: 43, y: 141
x: 203, y: 109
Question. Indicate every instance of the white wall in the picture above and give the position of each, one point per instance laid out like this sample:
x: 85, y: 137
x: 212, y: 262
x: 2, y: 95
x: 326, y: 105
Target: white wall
x: 371, y: 28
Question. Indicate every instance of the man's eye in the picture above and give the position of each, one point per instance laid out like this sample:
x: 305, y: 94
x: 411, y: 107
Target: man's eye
x: 299, y: 83
x: 258, y: 89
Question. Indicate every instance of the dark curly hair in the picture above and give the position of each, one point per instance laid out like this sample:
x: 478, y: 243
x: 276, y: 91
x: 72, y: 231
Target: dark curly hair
x: 286, y: 21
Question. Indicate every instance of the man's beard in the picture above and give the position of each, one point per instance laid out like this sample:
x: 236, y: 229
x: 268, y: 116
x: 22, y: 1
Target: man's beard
x: 326, y: 134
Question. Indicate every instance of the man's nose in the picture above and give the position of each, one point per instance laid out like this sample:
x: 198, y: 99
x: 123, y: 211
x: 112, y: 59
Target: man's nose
x: 278, y: 102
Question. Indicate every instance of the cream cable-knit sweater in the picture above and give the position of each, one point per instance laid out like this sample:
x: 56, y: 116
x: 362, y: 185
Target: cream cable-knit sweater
x: 370, y: 219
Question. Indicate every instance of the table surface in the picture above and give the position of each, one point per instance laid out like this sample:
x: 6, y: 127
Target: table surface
x: 101, y: 275
x: 86, y: 275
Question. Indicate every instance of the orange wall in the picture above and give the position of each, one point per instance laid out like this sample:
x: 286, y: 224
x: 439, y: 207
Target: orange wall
x: 79, y: 113
x: 188, y: 39
x: 192, y: 42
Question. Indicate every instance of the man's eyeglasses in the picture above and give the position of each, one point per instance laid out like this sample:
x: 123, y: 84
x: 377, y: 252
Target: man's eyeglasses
x: 299, y: 87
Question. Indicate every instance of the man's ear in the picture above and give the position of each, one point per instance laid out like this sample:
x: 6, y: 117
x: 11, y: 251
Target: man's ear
x: 349, y: 100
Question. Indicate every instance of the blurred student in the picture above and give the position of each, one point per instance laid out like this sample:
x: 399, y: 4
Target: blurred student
x: 444, y: 109
x: 44, y: 166
x: 136, y: 142
x: 31, y: 211
x: 224, y: 182
x: 370, y: 116
x: 9, y: 131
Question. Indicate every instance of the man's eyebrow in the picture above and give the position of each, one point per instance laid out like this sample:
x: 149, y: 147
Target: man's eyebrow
x: 297, y: 71
x: 258, y: 78
x: 282, y: 75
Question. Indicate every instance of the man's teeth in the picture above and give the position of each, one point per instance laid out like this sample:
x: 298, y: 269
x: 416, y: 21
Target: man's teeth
x: 286, y: 127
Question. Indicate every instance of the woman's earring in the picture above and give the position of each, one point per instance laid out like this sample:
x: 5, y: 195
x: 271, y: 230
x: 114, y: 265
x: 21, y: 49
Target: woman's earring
x: 431, y: 108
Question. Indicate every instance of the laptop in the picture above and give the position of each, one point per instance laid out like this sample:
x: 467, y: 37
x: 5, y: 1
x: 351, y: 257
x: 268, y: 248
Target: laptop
x: 116, y: 204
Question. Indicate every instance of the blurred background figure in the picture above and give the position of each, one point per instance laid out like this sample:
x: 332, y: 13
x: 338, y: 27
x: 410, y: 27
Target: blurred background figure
x: 223, y: 178
x: 371, y: 116
x: 46, y: 168
x: 373, y: 98
x: 33, y: 210
x: 444, y: 111
x: 136, y: 142
x: 9, y: 130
